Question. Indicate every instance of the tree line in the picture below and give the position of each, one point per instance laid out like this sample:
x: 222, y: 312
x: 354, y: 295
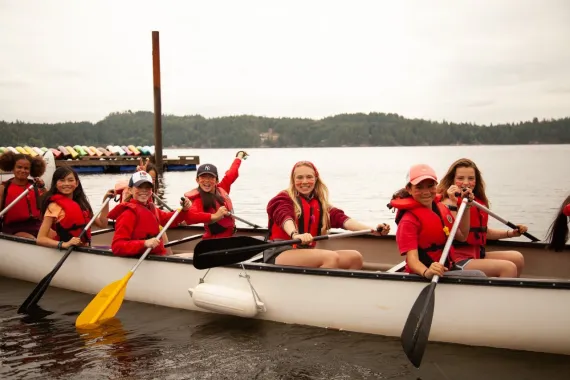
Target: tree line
x: 245, y: 131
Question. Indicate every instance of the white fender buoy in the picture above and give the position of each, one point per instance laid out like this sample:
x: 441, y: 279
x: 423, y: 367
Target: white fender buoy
x: 222, y: 299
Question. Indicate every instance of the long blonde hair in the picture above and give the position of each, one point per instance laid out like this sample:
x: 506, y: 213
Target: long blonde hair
x: 321, y: 192
x: 449, y: 179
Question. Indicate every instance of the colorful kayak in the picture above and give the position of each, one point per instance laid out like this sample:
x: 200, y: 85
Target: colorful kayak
x: 104, y: 151
x: 127, y: 150
x: 72, y: 151
x: 30, y: 151
x: 94, y: 151
x: 64, y: 151
x: 133, y: 149
x: 56, y: 153
x: 80, y: 151
x: 120, y: 150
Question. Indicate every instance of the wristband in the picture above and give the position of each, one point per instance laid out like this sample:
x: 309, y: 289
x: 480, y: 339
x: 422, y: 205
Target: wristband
x: 293, y: 233
x: 424, y: 274
x: 59, y: 245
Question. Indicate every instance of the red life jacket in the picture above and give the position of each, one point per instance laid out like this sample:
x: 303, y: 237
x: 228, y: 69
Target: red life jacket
x: 478, y: 226
x: 26, y: 208
x: 310, y: 221
x: 74, y: 221
x: 435, y: 225
x: 147, y: 224
x: 222, y: 226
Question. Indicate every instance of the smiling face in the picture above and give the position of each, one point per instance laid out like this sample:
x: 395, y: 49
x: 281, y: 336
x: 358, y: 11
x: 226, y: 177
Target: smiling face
x: 304, y: 179
x: 22, y: 169
x: 207, y: 182
x: 142, y: 193
x: 465, y: 177
x: 424, y: 192
x: 67, y: 185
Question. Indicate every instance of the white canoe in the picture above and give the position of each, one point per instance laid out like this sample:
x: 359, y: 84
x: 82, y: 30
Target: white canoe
x: 525, y: 314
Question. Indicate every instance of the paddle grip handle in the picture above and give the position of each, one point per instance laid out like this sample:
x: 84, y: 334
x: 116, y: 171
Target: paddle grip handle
x: 526, y: 234
x: 507, y: 223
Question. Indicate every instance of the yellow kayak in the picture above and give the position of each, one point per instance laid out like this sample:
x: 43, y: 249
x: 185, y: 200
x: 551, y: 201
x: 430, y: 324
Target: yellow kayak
x: 72, y: 151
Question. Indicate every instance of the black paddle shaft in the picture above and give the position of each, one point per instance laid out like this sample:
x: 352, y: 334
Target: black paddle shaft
x: 31, y: 302
x: 226, y: 251
x: 506, y: 222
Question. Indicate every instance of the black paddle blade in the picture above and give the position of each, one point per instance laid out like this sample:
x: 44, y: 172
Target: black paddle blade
x: 418, y: 325
x: 31, y: 303
x: 235, y: 242
x: 211, y: 253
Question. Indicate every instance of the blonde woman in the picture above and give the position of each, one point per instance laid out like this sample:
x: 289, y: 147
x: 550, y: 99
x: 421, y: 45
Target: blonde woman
x: 302, y: 212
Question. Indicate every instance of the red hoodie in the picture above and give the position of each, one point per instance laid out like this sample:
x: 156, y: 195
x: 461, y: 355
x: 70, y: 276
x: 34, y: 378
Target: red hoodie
x: 135, y: 223
x: 280, y: 208
x: 198, y: 212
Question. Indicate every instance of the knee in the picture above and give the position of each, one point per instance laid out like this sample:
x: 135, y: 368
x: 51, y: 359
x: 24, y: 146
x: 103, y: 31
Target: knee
x: 518, y: 259
x: 331, y: 259
x: 356, y: 260
x: 509, y: 269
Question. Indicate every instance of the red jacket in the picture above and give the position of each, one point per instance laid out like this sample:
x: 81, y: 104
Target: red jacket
x: 281, y: 207
x: 199, y: 215
x: 135, y: 223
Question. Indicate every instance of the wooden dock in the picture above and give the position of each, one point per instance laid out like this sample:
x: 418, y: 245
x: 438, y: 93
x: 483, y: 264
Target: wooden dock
x: 120, y: 164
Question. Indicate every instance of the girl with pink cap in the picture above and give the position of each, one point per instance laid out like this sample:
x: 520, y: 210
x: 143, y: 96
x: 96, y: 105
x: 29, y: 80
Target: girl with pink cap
x: 424, y: 223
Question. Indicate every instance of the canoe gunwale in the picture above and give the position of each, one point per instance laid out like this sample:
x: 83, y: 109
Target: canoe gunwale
x: 361, y: 274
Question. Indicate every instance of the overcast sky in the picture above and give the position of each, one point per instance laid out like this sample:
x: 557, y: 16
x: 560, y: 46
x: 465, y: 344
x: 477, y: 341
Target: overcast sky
x: 481, y: 61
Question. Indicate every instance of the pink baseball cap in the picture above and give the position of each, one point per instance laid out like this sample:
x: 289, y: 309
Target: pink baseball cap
x: 420, y: 172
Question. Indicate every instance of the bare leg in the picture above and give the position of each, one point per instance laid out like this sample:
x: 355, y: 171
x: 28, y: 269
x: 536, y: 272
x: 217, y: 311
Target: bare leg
x: 24, y: 235
x: 513, y: 256
x: 312, y: 258
x: 493, y: 268
x: 350, y: 259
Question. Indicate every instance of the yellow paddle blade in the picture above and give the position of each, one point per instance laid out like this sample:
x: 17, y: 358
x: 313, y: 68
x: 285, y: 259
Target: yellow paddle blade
x: 105, y: 305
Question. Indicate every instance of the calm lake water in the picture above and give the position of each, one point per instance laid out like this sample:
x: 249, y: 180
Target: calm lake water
x: 526, y: 184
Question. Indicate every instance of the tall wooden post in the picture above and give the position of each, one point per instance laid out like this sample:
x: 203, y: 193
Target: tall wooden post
x: 157, y: 102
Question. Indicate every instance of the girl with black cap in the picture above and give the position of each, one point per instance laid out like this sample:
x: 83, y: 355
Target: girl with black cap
x: 211, y: 203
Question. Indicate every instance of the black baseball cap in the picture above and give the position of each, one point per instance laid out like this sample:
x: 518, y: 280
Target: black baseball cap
x: 207, y: 169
